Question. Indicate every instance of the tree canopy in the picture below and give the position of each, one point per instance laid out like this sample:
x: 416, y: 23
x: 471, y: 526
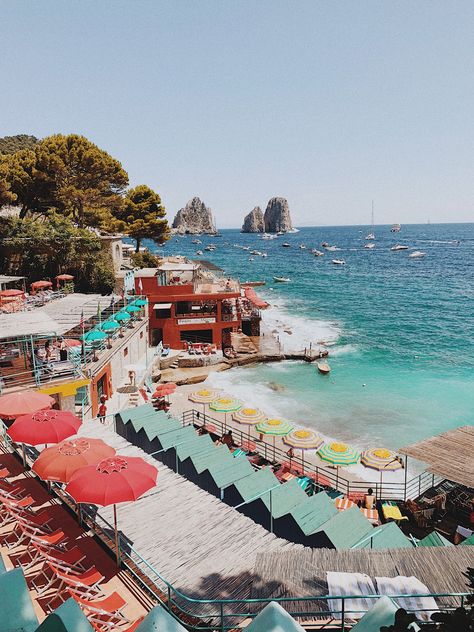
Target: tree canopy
x: 11, y: 144
x: 141, y: 215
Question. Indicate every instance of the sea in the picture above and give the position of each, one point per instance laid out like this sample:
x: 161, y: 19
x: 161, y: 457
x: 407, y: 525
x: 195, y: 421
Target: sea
x: 400, y: 330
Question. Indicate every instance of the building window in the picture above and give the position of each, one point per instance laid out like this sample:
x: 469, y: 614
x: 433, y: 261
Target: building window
x: 125, y: 352
x: 141, y: 335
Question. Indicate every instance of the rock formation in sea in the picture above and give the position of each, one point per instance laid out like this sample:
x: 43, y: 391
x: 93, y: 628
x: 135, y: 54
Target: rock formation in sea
x: 195, y: 218
x: 277, y: 216
x: 253, y: 222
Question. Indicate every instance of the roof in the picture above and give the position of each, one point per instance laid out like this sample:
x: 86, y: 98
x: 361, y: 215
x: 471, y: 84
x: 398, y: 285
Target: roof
x: 171, y: 439
x: 159, y: 620
x: 448, y: 454
x: 257, y: 483
x: 381, y: 614
x: 198, y: 444
x: 14, y: 591
x: 274, y: 618
x: 314, y: 512
x: 231, y: 472
x: 346, y: 528
x: 386, y: 536
x: 145, y: 272
x: 216, y: 457
x: 68, y: 617
x: 204, y: 263
x: 434, y: 539
x: 169, y: 266
x: 4, y: 279
x: 284, y: 498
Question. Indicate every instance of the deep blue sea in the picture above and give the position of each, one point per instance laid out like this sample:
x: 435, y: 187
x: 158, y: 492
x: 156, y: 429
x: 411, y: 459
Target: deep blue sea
x: 401, y: 330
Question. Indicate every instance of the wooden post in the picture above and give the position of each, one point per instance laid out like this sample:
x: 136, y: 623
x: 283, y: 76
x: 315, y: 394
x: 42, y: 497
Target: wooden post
x: 117, y: 546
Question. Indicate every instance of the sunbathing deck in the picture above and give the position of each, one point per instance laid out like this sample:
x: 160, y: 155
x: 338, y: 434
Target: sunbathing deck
x: 202, y: 546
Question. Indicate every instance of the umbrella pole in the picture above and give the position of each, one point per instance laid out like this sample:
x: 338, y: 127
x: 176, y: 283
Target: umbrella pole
x: 117, y: 550
x: 302, y: 459
x: 273, y: 447
x: 23, y: 453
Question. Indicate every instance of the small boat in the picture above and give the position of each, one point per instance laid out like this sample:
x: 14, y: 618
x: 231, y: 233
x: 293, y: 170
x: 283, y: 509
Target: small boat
x: 263, y: 254
x: 280, y: 232
x: 281, y: 279
x: 317, y: 253
x: 417, y: 254
x: 399, y: 247
x: 370, y: 236
x: 396, y: 228
x: 245, y: 247
x: 323, y: 367
x: 199, y: 252
x: 339, y: 262
x: 286, y: 245
x: 324, y: 244
x: 196, y: 241
x: 332, y: 248
x: 369, y: 246
x: 208, y: 248
x: 251, y: 259
x: 302, y: 247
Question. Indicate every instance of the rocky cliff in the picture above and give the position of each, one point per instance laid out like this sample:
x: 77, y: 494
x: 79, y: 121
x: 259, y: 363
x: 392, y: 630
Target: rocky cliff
x: 253, y: 222
x: 195, y: 218
x: 277, y: 216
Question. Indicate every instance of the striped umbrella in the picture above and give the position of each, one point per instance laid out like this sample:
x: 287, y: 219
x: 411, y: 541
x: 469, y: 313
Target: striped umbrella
x: 339, y: 454
x: 381, y: 459
x: 249, y: 417
x: 303, y: 439
x: 274, y: 427
x: 204, y: 396
x: 225, y: 404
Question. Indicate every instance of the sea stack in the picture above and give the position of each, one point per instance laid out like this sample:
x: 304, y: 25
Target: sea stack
x: 277, y: 216
x: 253, y: 222
x: 194, y: 219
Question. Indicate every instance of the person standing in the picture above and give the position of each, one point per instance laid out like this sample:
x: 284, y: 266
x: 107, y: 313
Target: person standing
x: 102, y: 411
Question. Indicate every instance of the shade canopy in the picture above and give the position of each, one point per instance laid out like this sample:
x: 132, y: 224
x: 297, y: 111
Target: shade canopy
x: 64, y: 277
x: 44, y: 426
x: 132, y: 309
x: 225, y: 404
x: 141, y: 302
x: 38, y: 285
x: 113, y: 480
x: 109, y: 326
x: 303, y: 439
x: 59, y: 462
x: 204, y: 395
x: 95, y: 335
x: 249, y: 416
x: 339, y: 454
x: 275, y: 427
x: 14, y: 405
x: 121, y: 316
x: 381, y: 459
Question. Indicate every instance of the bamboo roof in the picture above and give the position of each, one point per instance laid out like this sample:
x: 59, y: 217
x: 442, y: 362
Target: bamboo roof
x: 448, y: 454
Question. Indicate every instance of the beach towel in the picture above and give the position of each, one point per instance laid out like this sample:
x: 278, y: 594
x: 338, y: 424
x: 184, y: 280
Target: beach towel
x: 341, y: 584
x: 408, y: 586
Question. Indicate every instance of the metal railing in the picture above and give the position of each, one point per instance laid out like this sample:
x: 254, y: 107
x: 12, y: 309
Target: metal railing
x: 323, y: 477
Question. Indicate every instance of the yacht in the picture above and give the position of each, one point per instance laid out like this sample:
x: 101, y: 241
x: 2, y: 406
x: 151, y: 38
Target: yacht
x: 396, y: 228
x: 245, y: 247
x: 281, y: 279
x: 324, y: 244
x: 199, y: 252
x: 371, y: 235
x: 196, y: 241
x: 339, y: 262
x: 302, y: 247
x: 317, y: 253
x: 286, y: 245
x: 399, y: 247
x: 369, y: 246
x: 332, y: 248
x: 417, y: 254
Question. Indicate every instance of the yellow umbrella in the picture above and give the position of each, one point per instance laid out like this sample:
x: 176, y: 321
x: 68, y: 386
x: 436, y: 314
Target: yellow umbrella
x: 274, y: 427
x: 249, y: 417
x: 303, y: 439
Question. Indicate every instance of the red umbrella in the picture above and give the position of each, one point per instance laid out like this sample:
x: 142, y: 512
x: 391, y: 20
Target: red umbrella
x: 39, y: 285
x: 164, y: 389
x: 44, y: 426
x: 64, y: 277
x: 8, y: 293
x: 114, y: 480
x: 14, y: 405
x: 59, y: 462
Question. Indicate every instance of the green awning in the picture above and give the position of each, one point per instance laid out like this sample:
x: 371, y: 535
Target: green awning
x: 259, y: 482
x: 434, y: 539
x: 314, y: 512
x: 346, y: 528
x: 285, y: 498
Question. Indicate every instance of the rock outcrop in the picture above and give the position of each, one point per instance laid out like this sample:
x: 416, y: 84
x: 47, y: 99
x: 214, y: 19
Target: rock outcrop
x: 253, y: 222
x: 194, y: 219
x: 277, y: 216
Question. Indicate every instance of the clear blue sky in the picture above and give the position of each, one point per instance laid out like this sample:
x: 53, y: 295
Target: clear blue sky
x: 328, y: 103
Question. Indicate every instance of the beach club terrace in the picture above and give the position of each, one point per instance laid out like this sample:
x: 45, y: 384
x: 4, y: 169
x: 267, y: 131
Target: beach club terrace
x: 189, y: 302
x: 74, y: 348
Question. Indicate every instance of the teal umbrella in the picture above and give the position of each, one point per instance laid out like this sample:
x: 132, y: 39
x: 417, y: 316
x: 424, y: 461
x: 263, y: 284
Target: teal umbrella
x: 122, y: 316
x: 110, y: 326
x: 132, y: 308
x: 141, y: 302
x: 94, y: 336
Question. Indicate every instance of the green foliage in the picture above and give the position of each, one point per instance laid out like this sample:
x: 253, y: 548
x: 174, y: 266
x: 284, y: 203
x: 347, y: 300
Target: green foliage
x: 141, y: 215
x: 144, y: 260
x: 6, y: 195
x: 68, y: 175
x: 11, y: 144
x: 40, y: 248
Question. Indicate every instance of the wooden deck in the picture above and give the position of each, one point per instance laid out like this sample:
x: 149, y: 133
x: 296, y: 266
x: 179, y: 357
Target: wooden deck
x: 202, y: 546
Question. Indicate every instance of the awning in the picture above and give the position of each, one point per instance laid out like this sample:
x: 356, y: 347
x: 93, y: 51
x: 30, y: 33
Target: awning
x: 251, y: 295
x: 162, y: 306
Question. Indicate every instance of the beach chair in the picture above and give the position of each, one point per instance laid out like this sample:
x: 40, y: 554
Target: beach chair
x: 104, y: 610
x: 391, y: 511
x: 84, y: 585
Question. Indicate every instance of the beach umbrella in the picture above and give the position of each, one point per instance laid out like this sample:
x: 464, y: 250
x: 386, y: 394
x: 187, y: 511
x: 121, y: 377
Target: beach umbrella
x: 204, y: 396
x: 122, y: 316
x: 64, y: 277
x: 113, y: 480
x: 26, y: 402
x: 109, y: 326
x: 95, y: 335
x: 275, y: 428
x: 131, y: 309
x: 339, y: 454
x: 141, y: 302
x: 41, y: 285
x: 44, y: 426
x: 225, y: 404
x: 249, y: 417
x: 380, y: 459
x: 11, y: 293
x: 303, y: 439
x: 59, y: 462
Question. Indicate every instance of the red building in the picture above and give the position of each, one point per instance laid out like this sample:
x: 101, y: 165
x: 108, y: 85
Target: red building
x: 189, y: 302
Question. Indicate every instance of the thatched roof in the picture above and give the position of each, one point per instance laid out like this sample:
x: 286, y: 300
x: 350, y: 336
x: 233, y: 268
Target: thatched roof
x: 448, y: 454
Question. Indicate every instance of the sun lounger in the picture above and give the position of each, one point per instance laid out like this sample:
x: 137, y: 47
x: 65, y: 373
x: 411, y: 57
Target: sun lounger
x: 391, y: 511
x: 342, y: 503
x: 84, y: 585
x: 372, y: 515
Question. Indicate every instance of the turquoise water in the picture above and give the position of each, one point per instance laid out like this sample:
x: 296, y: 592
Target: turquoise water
x: 401, y: 330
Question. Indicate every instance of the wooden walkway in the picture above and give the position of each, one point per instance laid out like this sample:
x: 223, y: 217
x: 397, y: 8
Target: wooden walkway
x: 202, y: 546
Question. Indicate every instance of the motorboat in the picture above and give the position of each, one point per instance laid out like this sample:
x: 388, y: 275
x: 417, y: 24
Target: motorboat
x: 281, y: 279
x: 417, y: 254
x: 339, y: 262
x: 370, y: 236
x: 396, y: 228
x: 199, y: 252
x: 324, y: 244
x: 268, y: 236
x: 332, y: 248
x: 256, y: 252
x: 323, y: 367
x: 280, y: 233
x: 286, y: 245
x: 302, y: 247
x: 196, y: 241
x: 251, y: 258
x: 369, y: 246
x: 263, y: 254
x: 209, y: 248
x: 317, y: 253
x: 399, y: 247
x: 245, y: 247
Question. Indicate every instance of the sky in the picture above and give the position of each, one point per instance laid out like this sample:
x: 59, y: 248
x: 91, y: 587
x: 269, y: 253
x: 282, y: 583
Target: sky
x: 329, y: 104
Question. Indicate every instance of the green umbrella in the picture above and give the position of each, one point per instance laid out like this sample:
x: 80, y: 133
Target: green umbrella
x: 274, y: 427
x: 141, y: 302
x: 94, y: 336
x: 339, y: 454
x: 109, y: 326
x: 122, y: 316
x: 225, y: 404
x: 132, y: 308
